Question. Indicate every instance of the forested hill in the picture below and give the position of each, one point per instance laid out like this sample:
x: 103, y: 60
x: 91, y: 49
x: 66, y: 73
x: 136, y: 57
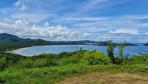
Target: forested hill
x: 9, y: 41
x: 9, y: 37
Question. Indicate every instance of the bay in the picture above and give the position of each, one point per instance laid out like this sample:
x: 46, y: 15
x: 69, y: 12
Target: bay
x: 55, y: 49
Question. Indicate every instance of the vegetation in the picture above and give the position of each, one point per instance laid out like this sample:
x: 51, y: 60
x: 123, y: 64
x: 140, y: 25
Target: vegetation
x: 52, y: 68
x: 120, y: 56
x: 9, y: 42
x: 110, y: 51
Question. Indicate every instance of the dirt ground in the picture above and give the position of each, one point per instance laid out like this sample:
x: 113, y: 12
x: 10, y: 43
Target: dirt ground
x: 107, y: 78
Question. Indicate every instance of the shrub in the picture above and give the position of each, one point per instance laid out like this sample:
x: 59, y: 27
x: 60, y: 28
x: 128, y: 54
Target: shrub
x: 120, y: 48
x: 96, y: 57
x: 143, y: 59
x: 27, y: 63
x: 64, y: 54
x: 110, y: 50
x: 72, y: 59
x: 41, y: 63
x: 3, y: 63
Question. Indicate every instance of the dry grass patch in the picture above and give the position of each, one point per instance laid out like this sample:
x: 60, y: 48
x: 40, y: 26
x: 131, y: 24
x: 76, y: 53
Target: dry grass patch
x: 106, y: 78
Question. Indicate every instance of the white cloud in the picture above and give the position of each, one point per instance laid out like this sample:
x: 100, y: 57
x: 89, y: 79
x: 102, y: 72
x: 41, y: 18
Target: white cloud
x: 134, y: 17
x: 20, y: 5
x: 24, y: 28
x: 118, y: 24
x: 46, y: 24
x: 32, y: 17
x: 87, y: 18
x: 4, y: 10
x: 83, y: 17
x: 146, y: 33
x: 17, y: 3
x: 126, y: 30
x: 121, y: 37
x: 92, y: 4
x: 23, y: 7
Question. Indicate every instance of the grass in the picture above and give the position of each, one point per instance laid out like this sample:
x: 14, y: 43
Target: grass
x: 51, y: 75
x: 66, y: 67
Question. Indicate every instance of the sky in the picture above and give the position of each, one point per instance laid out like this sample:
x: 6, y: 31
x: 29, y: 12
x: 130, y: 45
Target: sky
x: 98, y: 20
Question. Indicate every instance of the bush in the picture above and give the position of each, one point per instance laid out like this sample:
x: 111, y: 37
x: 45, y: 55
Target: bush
x: 28, y: 63
x: 64, y: 54
x: 110, y: 50
x: 143, y: 59
x: 41, y: 63
x: 3, y: 63
x: 9, y: 60
x: 96, y: 57
x: 44, y: 63
x: 72, y: 59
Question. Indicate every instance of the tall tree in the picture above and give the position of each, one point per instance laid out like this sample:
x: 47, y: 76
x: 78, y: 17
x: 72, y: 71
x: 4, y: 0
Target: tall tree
x: 119, y: 59
x: 110, y: 50
x: 120, y: 48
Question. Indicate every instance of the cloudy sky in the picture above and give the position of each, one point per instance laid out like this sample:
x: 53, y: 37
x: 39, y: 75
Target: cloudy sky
x: 98, y: 20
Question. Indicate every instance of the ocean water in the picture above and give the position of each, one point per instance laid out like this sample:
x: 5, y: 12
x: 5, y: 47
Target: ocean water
x: 55, y: 49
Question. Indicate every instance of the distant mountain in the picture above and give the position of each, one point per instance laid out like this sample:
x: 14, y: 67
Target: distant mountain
x: 9, y: 41
x: 88, y: 41
x: 104, y: 43
x: 146, y: 44
x: 10, y: 37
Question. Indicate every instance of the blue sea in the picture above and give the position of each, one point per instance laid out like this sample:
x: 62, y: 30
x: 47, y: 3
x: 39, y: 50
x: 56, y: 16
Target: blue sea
x: 55, y: 49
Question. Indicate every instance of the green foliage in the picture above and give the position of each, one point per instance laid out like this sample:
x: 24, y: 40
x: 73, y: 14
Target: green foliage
x: 119, y: 59
x: 8, y: 60
x: 96, y: 57
x: 10, y: 42
x: 142, y: 59
x: 72, y: 59
x: 110, y: 50
x: 41, y: 63
x: 28, y: 63
x: 64, y: 54
x: 3, y: 63
x: 51, y: 68
x: 51, y: 75
x: 120, y: 48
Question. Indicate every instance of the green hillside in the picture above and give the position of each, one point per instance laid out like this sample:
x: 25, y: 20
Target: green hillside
x: 9, y: 41
x: 56, y: 68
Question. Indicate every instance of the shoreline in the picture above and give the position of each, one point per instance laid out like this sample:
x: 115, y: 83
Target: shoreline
x: 19, y: 49
x: 54, y: 51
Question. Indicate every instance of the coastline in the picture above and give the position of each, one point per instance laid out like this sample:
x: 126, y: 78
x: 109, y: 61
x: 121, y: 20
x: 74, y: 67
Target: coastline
x: 19, y: 50
x: 56, y: 49
x: 13, y: 50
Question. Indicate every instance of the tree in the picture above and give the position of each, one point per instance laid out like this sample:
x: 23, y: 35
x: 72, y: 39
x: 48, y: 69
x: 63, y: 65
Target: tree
x: 120, y: 48
x: 119, y: 59
x: 110, y: 50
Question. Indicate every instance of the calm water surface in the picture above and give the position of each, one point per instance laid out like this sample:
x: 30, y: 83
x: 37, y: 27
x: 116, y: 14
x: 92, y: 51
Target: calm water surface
x: 36, y: 50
